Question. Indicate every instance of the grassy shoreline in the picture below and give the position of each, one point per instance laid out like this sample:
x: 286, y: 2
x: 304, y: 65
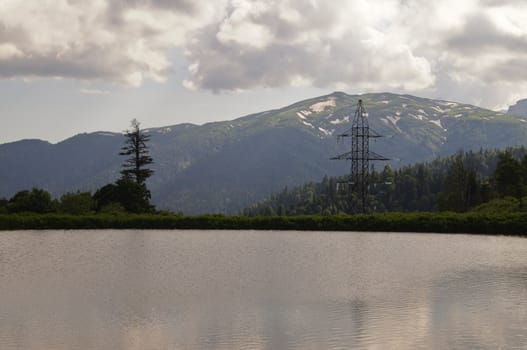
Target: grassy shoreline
x: 445, y: 222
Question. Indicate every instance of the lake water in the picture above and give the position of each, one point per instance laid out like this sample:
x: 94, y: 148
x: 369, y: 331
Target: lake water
x: 149, y: 290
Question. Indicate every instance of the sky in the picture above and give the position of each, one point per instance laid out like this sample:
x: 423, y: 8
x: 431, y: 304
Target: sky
x: 72, y: 66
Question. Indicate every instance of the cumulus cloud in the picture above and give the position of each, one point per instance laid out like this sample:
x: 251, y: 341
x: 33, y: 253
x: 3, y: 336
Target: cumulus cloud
x: 472, y: 47
x: 274, y: 43
x: 123, y: 41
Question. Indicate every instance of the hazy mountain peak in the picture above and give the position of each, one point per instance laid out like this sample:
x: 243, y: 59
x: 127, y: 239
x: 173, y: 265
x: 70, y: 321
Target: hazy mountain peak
x: 519, y: 109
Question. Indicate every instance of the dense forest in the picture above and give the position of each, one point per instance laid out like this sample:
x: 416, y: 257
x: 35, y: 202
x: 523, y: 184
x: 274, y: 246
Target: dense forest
x: 473, y: 192
x: 474, y: 180
x: 485, y: 180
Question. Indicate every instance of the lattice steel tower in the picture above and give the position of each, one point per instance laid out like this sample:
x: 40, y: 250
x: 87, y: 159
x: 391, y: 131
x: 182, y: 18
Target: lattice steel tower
x: 360, y: 155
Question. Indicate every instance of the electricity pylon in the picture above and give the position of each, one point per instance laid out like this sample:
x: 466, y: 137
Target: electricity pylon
x: 360, y: 155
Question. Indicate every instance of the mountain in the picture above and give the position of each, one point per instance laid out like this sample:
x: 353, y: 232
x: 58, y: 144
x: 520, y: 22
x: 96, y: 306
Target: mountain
x: 226, y: 166
x: 519, y: 109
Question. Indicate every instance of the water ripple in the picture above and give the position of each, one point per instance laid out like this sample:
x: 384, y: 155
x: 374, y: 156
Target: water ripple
x: 138, y: 290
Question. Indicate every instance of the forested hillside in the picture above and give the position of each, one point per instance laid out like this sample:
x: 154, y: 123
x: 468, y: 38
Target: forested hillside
x: 460, y: 182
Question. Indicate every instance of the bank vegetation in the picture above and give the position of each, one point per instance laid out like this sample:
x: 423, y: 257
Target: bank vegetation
x: 514, y: 223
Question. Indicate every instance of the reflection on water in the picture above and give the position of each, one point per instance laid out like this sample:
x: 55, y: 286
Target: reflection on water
x: 260, y: 290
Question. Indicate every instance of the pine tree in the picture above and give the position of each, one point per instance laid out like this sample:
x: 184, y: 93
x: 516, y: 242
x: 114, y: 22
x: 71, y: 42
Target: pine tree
x: 135, y: 146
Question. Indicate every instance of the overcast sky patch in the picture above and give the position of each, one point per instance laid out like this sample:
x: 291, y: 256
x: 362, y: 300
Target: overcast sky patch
x: 235, y: 45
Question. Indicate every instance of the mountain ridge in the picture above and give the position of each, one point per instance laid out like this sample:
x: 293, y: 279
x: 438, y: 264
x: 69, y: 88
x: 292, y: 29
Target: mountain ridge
x: 225, y: 166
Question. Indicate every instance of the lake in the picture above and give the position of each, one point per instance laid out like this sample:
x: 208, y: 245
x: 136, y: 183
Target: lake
x: 159, y: 289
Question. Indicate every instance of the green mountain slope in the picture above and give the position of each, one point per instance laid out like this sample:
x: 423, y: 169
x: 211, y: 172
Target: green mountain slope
x: 226, y: 166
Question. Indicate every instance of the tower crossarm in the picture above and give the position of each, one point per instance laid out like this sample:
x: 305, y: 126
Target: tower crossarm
x: 369, y: 156
x: 346, y: 155
x: 376, y: 156
x: 364, y: 132
x: 372, y: 133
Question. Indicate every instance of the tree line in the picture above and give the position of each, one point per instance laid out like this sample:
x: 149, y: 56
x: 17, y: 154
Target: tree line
x: 448, y: 222
x: 129, y: 194
x: 484, y: 180
x: 473, y: 180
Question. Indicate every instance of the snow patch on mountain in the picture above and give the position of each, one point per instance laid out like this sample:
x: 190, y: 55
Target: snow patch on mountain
x: 418, y: 117
x: 321, y: 106
x: 308, y: 124
x: 459, y: 115
x: 303, y: 114
x: 450, y: 104
x: 393, y: 120
x: 438, y: 109
x: 340, y: 121
x: 300, y: 115
x: 325, y: 132
x: 438, y: 123
x: 390, y: 120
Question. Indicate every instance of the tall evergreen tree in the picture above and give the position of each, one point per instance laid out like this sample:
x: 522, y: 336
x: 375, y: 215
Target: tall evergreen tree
x: 509, y: 176
x: 461, y: 186
x: 135, y: 146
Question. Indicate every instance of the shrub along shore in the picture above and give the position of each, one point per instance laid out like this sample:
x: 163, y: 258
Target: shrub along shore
x: 443, y: 222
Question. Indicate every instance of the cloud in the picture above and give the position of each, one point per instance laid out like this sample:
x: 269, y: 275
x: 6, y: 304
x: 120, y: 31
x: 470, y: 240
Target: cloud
x: 94, y: 92
x: 124, y: 41
x: 472, y: 47
x: 408, y: 45
x: 276, y: 43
